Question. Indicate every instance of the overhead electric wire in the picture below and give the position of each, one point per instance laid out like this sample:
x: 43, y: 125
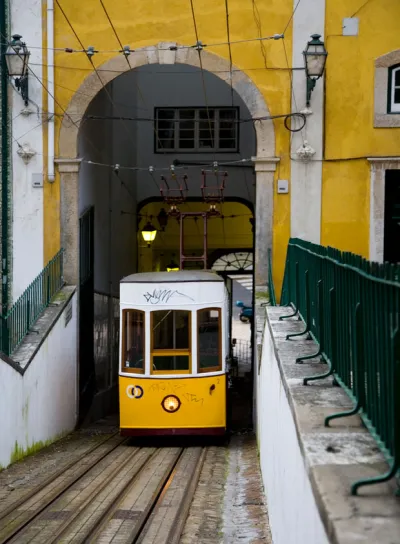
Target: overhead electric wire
x: 257, y: 20
x: 70, y: 118
x: 70, y: 50
x: 104, y: 87
x: 291, y: 17
x: 180, y: 72
x: 229, y: 48
x: 199, y: 46
x: 130, y: 68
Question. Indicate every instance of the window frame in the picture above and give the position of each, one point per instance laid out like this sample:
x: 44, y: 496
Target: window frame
x: 213, y: 368
x: 124, y: 368
x: 392, y: 107
x: 196, y: 149
x: 177, y: 352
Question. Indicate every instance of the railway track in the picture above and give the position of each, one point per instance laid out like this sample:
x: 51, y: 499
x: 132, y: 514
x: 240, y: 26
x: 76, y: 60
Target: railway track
x: 113, y: 491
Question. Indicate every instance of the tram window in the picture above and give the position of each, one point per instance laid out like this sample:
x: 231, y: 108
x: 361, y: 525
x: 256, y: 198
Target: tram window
x: 133, y: 346
x: 170, y: 342
x: 170, y: 362
x: 209, y: 339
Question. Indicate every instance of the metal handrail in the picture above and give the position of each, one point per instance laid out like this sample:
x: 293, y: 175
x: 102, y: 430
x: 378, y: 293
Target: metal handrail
x: 351, y: 307
x: 28, y: 307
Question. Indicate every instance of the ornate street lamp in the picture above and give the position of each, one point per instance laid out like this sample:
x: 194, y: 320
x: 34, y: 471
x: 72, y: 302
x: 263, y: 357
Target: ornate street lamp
x: 314, y: 60
x: 17, y: 57
x: 149, y: 232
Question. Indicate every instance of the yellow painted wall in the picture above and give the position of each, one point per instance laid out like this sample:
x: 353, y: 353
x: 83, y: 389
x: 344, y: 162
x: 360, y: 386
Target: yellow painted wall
x: 349, y: 131
x: 144, y: 23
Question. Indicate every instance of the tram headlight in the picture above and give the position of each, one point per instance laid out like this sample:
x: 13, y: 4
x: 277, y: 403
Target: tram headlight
x: 171, y: 404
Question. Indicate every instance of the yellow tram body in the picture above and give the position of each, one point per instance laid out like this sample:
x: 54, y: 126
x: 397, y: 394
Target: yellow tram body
x: 173, y: 351
x: 202, y: 409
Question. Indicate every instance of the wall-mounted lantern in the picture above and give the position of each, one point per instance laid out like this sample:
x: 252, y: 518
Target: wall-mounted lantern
x: 314, y: 60
x: 149, y: 233
x: 17, y: 57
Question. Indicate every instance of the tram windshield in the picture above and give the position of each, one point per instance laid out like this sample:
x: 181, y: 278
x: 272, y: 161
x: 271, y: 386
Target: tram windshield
x: 170, y: 347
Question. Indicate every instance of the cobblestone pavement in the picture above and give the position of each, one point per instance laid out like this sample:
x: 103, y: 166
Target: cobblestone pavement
x: 229, y: 506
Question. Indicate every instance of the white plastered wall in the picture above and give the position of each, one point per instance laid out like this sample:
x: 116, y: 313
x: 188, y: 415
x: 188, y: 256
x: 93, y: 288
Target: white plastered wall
x: 41, y: 405
x: 306, y: 177
x: 27, y: 201
x: 293, y: 513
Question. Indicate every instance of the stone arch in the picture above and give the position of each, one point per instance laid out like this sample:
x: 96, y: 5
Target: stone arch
x: 160, y: 54
x: 68, y: 161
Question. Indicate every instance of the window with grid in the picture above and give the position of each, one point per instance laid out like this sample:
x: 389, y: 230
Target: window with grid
x: 170, y: 341
x: 198, y: 130
x: 394, y: 90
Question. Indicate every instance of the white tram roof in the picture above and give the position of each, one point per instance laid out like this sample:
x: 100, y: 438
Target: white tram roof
x: 181, y: 276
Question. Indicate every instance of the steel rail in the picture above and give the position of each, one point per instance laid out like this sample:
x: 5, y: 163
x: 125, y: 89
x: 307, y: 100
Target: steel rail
x: 16, y: 504
x: 52, y: 496
x: 63, y: 530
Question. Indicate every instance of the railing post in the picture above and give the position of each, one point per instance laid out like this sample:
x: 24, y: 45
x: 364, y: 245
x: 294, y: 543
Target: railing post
x: 5, y: 337
x: 28, y: 314
x: 297, y: 278
x: 331, y: 362
x: 396, y: 408
x: 308, y: 310
x: 48, y: 289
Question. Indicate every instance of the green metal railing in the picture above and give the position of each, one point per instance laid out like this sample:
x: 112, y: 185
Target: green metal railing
x: 271, y: 288
x: 351, y: 307
x: 26, y: 310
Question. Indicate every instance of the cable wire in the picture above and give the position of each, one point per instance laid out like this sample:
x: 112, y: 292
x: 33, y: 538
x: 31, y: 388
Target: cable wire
x: 70, y: 50
x: 291, y: 17
x: 229, y: 47
x: 199, y: 48
x: 104, y: 87
x: 181, y: 72
x: 257, y: 20
x: 130, y: 68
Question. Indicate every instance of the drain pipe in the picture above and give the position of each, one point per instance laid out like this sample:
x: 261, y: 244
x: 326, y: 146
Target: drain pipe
x: 50, y: 87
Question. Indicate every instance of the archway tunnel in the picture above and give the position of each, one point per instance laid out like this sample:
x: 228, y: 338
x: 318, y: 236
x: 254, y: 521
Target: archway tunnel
x: 143, y: 131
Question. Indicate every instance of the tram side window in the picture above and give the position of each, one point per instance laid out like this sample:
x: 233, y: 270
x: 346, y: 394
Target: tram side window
x: 133, y: 346
x: 170, y: 343
x: 209, y: 339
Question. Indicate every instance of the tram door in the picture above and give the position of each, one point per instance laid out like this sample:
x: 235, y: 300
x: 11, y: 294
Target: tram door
x: 86, y: 312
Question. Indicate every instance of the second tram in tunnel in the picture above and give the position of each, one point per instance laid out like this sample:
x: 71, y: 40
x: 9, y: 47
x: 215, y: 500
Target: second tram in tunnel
x: 174, y: 343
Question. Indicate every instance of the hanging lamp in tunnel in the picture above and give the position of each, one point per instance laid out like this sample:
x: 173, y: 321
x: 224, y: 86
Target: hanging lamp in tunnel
x: 162, y: 218
x: 149, y: 232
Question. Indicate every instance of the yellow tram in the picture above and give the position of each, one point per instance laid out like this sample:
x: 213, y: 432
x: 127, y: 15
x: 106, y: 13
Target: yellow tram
x: 173, y: 350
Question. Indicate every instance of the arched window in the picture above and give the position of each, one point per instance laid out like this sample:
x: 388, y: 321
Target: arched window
x: 394, y: 89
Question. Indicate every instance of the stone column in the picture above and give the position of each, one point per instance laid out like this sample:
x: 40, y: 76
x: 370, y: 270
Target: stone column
x: 69, y: 217
x: 264, y: 216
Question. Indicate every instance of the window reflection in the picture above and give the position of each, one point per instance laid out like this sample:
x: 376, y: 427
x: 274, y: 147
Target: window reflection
x: 133, y: 341
x: 209, y: 346
x: 171, y: 340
